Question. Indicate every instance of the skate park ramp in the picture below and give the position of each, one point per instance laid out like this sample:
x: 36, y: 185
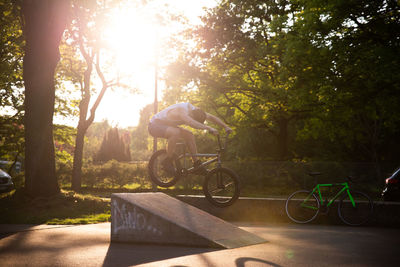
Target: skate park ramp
x: 156, y: 218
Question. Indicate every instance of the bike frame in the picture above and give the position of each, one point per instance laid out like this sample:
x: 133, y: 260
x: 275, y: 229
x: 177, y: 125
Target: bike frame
x: 317, y: 188
x: 216, y: 157
x: 185, y: 156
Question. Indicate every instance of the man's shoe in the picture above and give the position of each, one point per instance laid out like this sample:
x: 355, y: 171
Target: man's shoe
x: 168, y: 166
x: 198, y: 169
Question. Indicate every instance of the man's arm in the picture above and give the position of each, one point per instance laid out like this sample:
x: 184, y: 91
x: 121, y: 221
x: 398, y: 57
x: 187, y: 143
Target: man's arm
x: 195, y: 124
x: 218, y: 121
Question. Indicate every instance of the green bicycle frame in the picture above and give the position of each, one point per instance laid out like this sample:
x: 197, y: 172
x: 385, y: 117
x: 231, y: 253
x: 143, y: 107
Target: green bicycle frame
x: 345, y: 187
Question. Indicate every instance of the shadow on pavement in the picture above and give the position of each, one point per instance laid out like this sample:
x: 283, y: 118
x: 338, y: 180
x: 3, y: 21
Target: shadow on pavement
x: 123, y: 254
x: 241, y: 262
x: 8, y: 229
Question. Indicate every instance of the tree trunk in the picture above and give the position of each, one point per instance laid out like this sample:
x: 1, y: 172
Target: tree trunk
x: 84, y: 123
x: 78, y: 155
x: 45, y: 21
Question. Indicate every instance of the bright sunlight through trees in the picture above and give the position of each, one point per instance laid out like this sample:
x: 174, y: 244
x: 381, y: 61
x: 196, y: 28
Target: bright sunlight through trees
x: 135, y: 33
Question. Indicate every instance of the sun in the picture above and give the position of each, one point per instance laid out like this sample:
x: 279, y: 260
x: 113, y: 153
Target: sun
x: 132, y: 35
x: 135, y: 37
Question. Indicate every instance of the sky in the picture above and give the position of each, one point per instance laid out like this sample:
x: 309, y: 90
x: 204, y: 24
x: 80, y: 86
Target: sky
x: 132, y: 33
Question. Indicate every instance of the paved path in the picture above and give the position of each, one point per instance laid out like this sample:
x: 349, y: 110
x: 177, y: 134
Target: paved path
x: 289, y: 245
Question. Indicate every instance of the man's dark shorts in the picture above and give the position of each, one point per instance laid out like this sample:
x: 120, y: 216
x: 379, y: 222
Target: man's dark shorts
x: 158, y: 129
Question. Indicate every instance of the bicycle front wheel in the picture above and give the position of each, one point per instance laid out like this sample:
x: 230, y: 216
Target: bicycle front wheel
x: 302, y: 206
x: 221, y: 187
x: 356, y: 214
x: 158, y: 175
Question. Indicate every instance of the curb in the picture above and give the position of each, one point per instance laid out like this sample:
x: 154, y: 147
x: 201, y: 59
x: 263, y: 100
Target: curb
x: 272, y: 210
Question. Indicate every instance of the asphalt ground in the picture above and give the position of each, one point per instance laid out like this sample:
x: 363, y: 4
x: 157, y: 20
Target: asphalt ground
x: 288, y: 245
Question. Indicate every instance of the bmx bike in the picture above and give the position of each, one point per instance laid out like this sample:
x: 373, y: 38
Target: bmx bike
x: 221, y: 185
x: 354, y: 207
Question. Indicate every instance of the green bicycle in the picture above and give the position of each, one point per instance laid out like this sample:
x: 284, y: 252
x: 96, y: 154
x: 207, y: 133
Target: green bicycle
x: 354, y: 208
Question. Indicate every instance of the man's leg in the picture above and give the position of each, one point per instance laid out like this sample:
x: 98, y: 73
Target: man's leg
x: 190, y: 142
x: 173, y: 134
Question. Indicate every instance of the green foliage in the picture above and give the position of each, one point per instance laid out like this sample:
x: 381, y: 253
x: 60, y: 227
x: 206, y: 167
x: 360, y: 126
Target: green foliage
x: 64, y: 140
x: 11, y: 47
x: 353, y: 52
x: 93, y: 139
x: 11, y: 82
x: 240, y: 75
x: 114, y: 173
x: 11, y: 140
x: 298, y: 79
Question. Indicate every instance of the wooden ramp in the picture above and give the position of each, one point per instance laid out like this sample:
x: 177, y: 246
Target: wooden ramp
x: 157, y: 218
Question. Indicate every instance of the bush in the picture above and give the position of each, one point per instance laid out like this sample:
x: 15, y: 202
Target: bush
x: 115, y: 174
x: 259, y: 177
x: 64, y: 172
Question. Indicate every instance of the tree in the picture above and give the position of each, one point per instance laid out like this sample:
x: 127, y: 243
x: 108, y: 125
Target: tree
x: 84, y: 42
x: 44, y: 24
x: 11, y: 47
x: 140, y: 135
x: 358, y: 87
x: 238, y: 64
x: 303, y: 72
x: 11, y: 82
x: 93, y: 139
x: 113, y: 147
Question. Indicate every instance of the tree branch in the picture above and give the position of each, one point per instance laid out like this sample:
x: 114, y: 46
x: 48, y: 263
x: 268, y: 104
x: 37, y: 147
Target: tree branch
x: 102, y: 92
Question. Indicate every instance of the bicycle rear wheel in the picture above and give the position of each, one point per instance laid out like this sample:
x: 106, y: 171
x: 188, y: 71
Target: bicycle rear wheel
x: 302, y: 206
x: 157, y: 173
x: 358, y: 214
x: 221, y: 187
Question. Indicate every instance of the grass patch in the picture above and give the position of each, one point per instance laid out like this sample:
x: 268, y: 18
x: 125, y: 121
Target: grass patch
x: 92, y: 205
x: 67, y: 207
x: 86, y: 219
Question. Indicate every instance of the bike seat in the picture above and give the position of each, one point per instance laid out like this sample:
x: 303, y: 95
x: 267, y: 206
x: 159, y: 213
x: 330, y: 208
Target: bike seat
x: 314, y: 173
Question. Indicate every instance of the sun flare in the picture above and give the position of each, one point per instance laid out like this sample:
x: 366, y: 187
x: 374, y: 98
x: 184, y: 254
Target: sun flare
x: 131, y: 36
x: 134, y: 35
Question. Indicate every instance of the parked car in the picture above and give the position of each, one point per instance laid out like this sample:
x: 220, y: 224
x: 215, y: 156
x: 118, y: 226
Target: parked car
x: 5, y: 164
x: 391, y: 192
x: 6, y: 184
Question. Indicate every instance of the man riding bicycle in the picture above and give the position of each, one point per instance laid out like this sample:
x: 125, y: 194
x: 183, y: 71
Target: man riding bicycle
x: 165, y: 124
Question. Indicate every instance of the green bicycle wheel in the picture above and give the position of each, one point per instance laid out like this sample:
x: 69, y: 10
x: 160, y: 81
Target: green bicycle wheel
x: 302, y: 206
x: 357, y: 214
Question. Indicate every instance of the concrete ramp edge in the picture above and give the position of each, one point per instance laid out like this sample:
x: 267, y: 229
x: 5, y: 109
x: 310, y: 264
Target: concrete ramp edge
x: 157, y: 218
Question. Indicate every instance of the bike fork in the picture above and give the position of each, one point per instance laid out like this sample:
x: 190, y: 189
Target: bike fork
x: 220, y: 184
x: 353, y: 203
